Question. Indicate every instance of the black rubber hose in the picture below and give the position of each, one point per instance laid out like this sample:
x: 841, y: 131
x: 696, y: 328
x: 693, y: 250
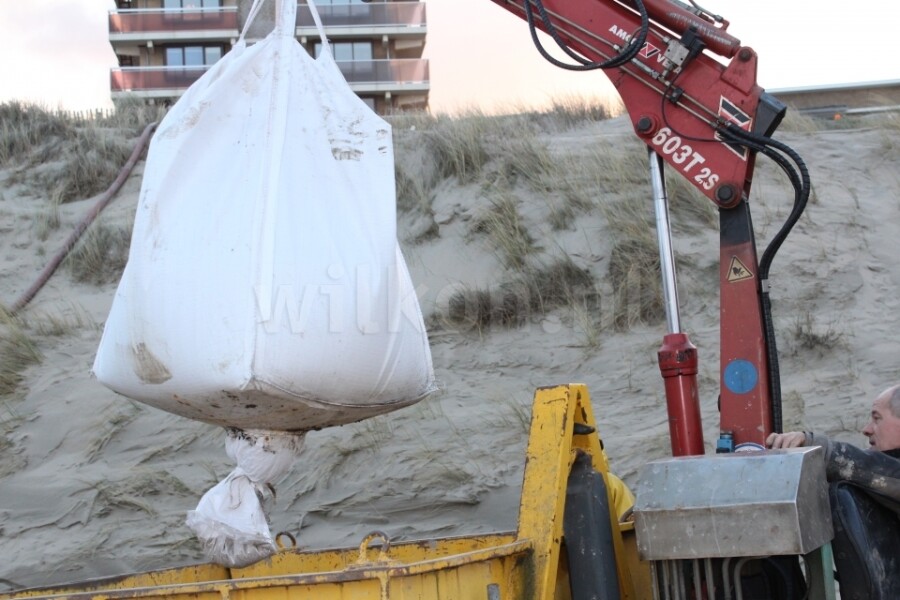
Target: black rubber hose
x: 774, y: 364
x: 800, y: 200
x: 799, y: 177
x: 802, y: 192
x: 774, y: 370
x: 631, y: 50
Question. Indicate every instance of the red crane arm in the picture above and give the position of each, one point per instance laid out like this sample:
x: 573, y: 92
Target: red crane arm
x: 676, y: 95
x: 680, y: 99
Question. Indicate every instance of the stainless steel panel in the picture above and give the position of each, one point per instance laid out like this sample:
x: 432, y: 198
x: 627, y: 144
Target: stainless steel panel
x: 741, y: 504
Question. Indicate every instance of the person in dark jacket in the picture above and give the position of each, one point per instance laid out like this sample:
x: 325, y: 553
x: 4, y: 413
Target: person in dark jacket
x: 877, y: 469
x: 864, y: 490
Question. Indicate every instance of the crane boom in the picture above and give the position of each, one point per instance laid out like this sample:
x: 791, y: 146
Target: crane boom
x: 678, y: 96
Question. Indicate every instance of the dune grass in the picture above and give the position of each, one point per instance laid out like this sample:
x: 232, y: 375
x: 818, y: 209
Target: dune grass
x: 33, y: 133
x: 505, y: 228
x: 108, y: 426
x: 78, y: 155
x: 133, y: 114
x: 811, y: 336
x: 412, y: 192
x: 507, y: 156
x: 458, y: 148
x: 572, y: 111
x: 796, y: 122
x: 560, y: 113
x: 18, y: 351
x: 19, y: 338
x: 47, y: 219
x: 526, y: 159
x: 634, y: 267
x: 528, y: 295
x: 25, y: 128
x: 101, y: 254
x: 58, y: 322
x: 688, y: 207
x: 463, y: 145
x: 91, y: 161
x: 618, y: 167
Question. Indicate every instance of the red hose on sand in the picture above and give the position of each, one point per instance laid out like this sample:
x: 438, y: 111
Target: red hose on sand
x: 73, y: 238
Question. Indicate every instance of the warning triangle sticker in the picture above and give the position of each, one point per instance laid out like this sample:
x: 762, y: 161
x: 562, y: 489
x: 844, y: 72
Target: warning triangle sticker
x: 737, y: 271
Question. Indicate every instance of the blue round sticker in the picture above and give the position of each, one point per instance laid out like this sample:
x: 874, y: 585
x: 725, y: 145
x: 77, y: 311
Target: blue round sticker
x: 741, y: 376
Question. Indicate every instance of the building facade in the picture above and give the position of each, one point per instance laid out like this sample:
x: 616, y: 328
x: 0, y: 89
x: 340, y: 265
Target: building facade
x: 163, y: 46
x: 834, y: 100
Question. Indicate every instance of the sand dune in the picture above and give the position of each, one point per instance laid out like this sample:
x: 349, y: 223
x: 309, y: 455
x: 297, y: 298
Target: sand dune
x: 92, y: 484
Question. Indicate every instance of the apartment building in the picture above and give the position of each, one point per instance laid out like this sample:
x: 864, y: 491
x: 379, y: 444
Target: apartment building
x: 163, y: 46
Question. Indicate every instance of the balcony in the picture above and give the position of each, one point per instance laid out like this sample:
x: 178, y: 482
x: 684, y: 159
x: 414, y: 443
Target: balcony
x: 142, y: 24
x: 392, y: 18
x: 154, y: 82
x: 398, y: 75
x: 367, y: 76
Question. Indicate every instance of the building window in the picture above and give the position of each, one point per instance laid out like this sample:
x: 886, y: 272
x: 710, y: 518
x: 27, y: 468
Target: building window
x: 348, y: 50
x: 180, y: 4
x: 192, y: 56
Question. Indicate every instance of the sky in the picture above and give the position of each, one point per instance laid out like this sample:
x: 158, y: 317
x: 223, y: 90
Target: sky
x: 56, y: 52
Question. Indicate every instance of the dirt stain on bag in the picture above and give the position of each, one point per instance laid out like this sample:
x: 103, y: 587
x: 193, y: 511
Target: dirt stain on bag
x: 147, y: 367
x: 188, y: 121
x: 345, y: 152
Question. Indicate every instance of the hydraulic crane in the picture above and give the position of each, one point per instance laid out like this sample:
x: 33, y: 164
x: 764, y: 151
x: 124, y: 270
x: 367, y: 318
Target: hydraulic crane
x: 708, y: 120
x: 690, y: 90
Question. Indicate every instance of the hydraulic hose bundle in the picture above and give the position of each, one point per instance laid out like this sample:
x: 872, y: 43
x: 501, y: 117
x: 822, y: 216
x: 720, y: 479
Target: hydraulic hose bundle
x: 631, y: 50
x: 793, y: 166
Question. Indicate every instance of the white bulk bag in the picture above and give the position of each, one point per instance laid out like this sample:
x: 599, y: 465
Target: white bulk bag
x: 265, y: 290
x: 265, y: 287
x: 230, y: 520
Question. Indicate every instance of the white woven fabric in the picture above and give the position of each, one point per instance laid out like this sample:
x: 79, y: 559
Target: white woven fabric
x: 265, y: 287
x: 230, y: 520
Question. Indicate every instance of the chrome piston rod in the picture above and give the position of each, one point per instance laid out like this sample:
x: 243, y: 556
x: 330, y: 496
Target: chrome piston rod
x: 664, y: 237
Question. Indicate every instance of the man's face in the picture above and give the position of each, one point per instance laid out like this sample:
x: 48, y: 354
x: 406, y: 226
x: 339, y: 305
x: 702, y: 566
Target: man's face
x: 883, y: 429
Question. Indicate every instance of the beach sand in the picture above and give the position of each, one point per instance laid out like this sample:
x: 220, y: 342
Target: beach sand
x: 92, y: 484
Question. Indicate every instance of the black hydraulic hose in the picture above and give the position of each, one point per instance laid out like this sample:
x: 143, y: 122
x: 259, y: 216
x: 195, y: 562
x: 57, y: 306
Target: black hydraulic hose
x: 774, y: 365
x: 798, y: 174
x: 785, y: 575
x: 769, y: 339
x: 799, y: 177
x: 630, y: 51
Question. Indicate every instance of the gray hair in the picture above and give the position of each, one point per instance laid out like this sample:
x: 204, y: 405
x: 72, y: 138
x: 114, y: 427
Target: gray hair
x: 894, y: 401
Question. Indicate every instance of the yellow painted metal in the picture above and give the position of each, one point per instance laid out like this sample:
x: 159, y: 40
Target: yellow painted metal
x: 527, y: 565
x: 551, y: 451
x: 639, y: 569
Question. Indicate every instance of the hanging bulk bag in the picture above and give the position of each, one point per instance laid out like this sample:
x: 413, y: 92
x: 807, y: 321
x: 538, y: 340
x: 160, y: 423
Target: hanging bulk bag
x: 265, y: 290
x: 265, y: 287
